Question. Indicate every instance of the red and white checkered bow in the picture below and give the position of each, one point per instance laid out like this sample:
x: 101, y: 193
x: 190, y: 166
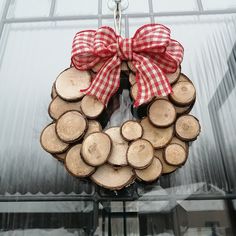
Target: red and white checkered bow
x: 151, y: 50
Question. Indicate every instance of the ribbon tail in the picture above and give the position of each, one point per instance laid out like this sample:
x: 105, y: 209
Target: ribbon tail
x: 106, y: 82
x: 150, y: 79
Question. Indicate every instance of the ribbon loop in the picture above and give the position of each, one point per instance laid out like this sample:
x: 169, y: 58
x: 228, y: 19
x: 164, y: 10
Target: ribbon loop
x: 151, y: 50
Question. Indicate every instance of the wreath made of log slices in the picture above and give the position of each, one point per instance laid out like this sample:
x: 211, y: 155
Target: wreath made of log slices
x: 141, y: 149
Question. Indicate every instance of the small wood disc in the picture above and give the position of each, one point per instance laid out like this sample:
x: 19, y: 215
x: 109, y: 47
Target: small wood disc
x: 175, y: 154
x: 187, y: 128
x: 184, y: 93
x: 131, y: 67
x: 124, y: 67
x: 166, y: 168
x: 71, y: 126
x: 58, y: 106
x: 98, y: 66
x: 50, y: 142
x: 183, y: 78
x: 91, y: 106
x: 159, y: 137
x: 93, y: 126
x: 70, y: 82
x: 150, y: 173
x: 161, y: 113
x: 134, y: 91
x: 132, y: 80
x: 140, y: 154
x: 96, y: 148
x: 174, y: 76
x: 131, y: 130
x: 119, y: 147
x: 75, y: 164
x: 180, y: 142
x: 60, y: 156
x: 53, y: 92
x: 114, y: 179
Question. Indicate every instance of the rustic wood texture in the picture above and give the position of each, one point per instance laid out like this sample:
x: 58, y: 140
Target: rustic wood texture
x: 96, y: 148
x: 131, y: 130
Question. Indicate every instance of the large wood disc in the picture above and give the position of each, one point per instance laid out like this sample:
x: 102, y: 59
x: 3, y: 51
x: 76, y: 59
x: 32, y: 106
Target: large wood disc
x: 173, y: 77
x: 187, y: 128
x: 71, y: 126
x: 150, y: 173
x: 93, y: 126
x: 161, y: 113
x: 140, y: 154
x: 50, y: 141
x: 159, y: 137
x: 175, y: 154
x: 166, y: 168
x: 70, y: 82
x: 119, y: 147
x: 53, y: 92
x: 75, y: 164
x: 132, y: 80
x: 131, y: 130
x: 96, y: 148
x: 91, y: 106
x: 58, y: 106
x: 114, y: 179
x: 184, y: 93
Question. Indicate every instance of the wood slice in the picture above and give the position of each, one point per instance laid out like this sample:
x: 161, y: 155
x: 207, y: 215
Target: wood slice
x: 187, y: 128
x: 93, y: 126
x: 180, y: 142
x: 96, y: 148
x: 161, y: 113
x: 98, y: 66
x: 132, y: 80
x: 184, y: 93
x: 58, y: 106
x: 50, y: 142
x: 131, y: 130
x: 131, y: 67
x: 134, y: 91
x: 140, y: 154
x: 124, y: 67
x: 70, y: 82
x: 166, y: 168
x: 53, y: 92
x: 175, y: 154
x: 150, y: 173
x: 60, y: 156
x: 75, y: 164
x: 174, y: 76
x: 91, y: 106
x: 159, y: 137
x: 114, y: 179
x: 119, y: 147
x: 183, y: 78
x: 71, y: 126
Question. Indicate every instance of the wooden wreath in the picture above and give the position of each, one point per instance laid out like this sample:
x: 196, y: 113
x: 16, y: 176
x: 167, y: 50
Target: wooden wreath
x: 155, y: 143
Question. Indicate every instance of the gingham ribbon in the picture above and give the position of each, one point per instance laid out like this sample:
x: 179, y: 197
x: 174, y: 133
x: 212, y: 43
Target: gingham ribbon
x: 151, y: 51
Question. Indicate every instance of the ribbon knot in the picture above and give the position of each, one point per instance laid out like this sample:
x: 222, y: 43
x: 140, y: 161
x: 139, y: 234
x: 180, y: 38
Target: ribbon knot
x: 124, y: 48
x: 151, y: 51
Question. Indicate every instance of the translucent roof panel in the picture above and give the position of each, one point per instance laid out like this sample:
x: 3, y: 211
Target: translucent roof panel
x: 174, y: 6
x: 74, y: 7
x: 29, y: 8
